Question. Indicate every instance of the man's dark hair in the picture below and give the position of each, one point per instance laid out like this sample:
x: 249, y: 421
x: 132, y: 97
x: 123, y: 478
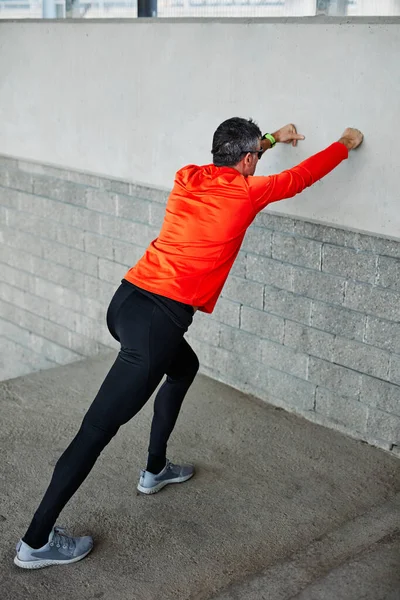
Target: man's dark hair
x: 232, y: 139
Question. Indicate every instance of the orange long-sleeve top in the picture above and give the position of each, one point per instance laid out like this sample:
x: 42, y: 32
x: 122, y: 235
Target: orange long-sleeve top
x: 207, y: 215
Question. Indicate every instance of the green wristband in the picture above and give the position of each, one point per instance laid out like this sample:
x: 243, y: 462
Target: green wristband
x: 270, y: 137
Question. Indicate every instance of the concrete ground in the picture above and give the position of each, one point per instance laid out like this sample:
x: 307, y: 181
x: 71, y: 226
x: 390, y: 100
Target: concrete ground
x: 280, y: 508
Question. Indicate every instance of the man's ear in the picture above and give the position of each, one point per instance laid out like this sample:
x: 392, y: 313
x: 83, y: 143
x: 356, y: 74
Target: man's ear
x: 247, y: 158
x: 248, y: 161
x: 242, y: 165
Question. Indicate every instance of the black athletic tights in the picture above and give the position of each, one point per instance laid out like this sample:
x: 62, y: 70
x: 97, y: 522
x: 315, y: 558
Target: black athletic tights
x: 152, y: 345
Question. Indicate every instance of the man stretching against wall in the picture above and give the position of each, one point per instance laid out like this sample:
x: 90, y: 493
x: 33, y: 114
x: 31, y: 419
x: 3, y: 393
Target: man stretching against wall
x: 183, y: 270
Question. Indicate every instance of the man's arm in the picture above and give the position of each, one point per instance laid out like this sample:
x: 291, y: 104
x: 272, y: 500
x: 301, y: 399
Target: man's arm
x: 264, y: 190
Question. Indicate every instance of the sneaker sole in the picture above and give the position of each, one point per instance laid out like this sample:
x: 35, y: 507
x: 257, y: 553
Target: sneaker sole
x: 41, y: 564
x: 162, y: 484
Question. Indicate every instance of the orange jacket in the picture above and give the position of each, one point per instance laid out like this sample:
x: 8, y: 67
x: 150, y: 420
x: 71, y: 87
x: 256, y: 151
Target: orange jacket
x: 207, y: 215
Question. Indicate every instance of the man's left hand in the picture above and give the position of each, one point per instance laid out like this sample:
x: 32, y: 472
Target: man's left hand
x: 288, y: 134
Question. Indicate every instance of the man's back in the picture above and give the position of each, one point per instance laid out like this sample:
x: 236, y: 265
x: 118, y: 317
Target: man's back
x: 207, y: 214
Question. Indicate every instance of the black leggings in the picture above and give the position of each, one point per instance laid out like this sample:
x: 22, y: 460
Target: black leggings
x: 152, y: 345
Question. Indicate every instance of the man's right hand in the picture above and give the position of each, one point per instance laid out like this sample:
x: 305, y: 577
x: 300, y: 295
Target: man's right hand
x: 351, y: 138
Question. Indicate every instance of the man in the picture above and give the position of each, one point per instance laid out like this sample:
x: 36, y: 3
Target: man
x: 183, y: 270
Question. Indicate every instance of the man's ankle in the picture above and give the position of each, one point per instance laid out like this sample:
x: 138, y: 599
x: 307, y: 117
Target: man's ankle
x: 155, y: 464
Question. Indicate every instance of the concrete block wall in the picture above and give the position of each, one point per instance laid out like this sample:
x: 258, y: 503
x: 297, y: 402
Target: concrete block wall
x: 66, y: 240
x: 310, y: 321
x: 309, y: 318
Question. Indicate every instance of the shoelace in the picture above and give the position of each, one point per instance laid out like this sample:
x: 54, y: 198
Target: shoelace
x: 172, y: 467
x: 61, y: 540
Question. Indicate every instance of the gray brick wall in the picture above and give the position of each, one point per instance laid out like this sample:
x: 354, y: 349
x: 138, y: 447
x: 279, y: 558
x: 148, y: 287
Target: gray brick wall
x: 309, y: 319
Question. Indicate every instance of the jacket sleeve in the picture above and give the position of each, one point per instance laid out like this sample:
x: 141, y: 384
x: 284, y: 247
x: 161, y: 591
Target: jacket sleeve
x: 264, y: 190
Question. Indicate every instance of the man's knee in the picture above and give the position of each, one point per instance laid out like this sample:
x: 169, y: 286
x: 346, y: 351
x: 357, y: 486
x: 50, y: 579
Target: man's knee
x: 184, y: 369
x: 191, y: 367
x: 96, y: 434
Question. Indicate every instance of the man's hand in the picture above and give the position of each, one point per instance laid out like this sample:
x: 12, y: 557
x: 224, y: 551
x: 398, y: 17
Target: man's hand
x: 351, y: 138
x: 288, y: 134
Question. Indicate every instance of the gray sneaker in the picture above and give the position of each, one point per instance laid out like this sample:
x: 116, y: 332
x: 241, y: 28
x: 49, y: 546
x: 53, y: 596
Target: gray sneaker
x: 59, y: 550
x: 150, y: 483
